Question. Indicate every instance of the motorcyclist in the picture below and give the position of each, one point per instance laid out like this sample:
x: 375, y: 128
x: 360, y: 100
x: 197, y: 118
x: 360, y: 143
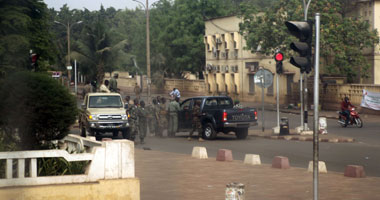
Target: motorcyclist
x: 345, y: 106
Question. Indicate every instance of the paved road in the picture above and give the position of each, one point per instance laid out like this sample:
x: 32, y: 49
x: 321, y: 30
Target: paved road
x: 365, y: 151
x: 336, y: 155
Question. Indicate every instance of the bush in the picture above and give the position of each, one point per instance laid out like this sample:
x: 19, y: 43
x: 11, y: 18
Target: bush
x: 36, y: 108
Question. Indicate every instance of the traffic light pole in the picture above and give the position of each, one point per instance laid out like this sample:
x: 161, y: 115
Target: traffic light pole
x: 316, y: 105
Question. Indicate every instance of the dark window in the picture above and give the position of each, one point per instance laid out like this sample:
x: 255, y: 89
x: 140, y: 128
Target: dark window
x: 224, y: 103
x: 289, y: 81
x: 186, y: 104
x: 270, y: 90
x: 211, y: 104
x: 251, y: 83
x: 105, y: 102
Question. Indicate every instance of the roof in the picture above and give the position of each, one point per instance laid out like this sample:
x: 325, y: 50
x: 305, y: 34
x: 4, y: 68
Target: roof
x: 104, y: 94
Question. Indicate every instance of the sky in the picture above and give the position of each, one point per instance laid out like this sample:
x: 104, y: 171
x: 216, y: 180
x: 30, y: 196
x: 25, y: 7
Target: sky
x: 94, y: 4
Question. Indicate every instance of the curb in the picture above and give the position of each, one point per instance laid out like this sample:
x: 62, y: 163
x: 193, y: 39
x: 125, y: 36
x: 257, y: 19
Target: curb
x: 308, y: 139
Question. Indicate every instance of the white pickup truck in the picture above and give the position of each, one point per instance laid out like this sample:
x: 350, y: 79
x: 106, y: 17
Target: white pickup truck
x: 103, y: 112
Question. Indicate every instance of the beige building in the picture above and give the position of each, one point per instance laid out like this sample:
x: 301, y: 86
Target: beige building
x: 370, y: 10
x: 230, y: 69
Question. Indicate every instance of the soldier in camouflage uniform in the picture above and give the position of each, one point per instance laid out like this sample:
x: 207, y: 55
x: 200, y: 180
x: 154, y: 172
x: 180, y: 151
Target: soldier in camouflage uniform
x: 163, y: 117
x: 142, y: 112
x: 149, y: 118
x: 133, y: 119
x: 155, y: 112
x: 196, y: 122
x: 173, y: 110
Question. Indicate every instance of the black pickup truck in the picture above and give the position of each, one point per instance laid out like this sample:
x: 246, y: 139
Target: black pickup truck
x: 217, y: 115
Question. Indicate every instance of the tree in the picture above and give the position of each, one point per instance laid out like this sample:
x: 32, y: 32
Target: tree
x: 24, y: 26
x: 343, y: 38
x: 37, y: 107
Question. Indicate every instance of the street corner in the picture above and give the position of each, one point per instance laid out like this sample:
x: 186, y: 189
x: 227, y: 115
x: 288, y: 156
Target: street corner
x: 293, y: 135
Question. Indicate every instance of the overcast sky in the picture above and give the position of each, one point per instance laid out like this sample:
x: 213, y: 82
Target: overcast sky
x: 94, y: 4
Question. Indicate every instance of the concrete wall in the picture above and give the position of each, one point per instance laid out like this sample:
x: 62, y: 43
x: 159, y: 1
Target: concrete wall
x: 126, y: 189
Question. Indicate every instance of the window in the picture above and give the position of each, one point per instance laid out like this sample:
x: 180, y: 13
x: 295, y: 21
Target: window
x: 224, y: 103
x: 211, y: 104
x: 289, y: 81
x: 251, y: 82
x: 105, y: 102
x: 270, y: 90
x: 186, y: 105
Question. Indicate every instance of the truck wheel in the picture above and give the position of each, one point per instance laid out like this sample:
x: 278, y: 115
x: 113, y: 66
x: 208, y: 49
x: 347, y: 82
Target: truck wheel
x: 115, y: 134
x: 242, y: 133
x: 208, y: 132
x: 83, y: 131
x: 126, y: 134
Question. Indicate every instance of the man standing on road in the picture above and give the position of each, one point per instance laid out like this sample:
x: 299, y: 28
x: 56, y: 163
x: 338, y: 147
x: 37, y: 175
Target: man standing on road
x: 133, y: 118
x: 126, y: 104
x: 142, y: 113
x: 113, y: 83
x: 87, y: 89
x: 196, y: 122
x: 173, y: 109
x: 137, y: 91
x: 163, y: 117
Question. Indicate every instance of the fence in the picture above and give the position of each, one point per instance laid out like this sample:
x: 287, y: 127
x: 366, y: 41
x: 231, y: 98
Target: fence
x: 108, y: 160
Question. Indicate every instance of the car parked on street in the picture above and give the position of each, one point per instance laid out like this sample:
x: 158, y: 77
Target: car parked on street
x: 217, y: 115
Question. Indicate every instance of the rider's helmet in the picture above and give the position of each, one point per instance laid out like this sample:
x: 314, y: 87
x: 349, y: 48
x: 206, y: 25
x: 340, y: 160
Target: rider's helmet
x: 346, y: 99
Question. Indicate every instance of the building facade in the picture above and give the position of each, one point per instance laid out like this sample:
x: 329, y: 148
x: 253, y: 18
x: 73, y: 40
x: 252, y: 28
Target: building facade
x: 230, y: 69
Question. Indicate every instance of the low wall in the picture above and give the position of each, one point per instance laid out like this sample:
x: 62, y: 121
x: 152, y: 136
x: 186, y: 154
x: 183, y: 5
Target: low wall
x: 126, y: 189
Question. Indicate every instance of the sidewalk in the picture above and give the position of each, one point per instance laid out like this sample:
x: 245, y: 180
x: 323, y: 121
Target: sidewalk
x: 181, y: 177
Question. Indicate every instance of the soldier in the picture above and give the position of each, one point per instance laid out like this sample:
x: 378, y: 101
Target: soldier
x: 173, y: 117
x: 196, y: 122
x: 163, y: 117
x: 113, y: 83
x: 150, y: 118
x: 133, y: 118
x: 142, y: 112
x: 127, y: 99
x: 155, y: 113
x: 137, y: 91
x: 237, y: 104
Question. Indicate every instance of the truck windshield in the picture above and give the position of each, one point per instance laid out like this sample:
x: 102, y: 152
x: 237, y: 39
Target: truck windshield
x: 105, y: 102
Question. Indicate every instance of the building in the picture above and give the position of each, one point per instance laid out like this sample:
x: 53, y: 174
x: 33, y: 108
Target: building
x: 230, y: 69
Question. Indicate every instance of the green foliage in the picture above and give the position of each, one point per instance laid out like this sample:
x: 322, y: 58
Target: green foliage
x: 59, y: 166
x: 24, y: 26
x: 37, y: 108
x: 343, y: 38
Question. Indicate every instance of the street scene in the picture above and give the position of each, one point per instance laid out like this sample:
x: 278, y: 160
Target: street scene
x: 203, y: 99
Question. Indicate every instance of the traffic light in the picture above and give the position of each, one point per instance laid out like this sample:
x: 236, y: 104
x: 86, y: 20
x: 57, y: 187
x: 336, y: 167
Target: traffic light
x: 33, y: 61
x: 279, y: 57
x: 303, y: 30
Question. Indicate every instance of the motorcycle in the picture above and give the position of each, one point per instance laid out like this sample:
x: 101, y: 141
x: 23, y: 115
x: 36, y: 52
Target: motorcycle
x: 354, y: 119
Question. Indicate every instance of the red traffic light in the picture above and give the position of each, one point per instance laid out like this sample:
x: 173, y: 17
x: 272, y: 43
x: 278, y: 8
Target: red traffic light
x: 279, y: 57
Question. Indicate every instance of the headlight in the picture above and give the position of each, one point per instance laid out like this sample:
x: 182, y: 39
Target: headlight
x: 93, y: 117
x: 124, y: 117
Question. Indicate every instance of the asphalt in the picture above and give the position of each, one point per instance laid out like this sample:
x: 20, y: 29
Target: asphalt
x: 166, y: 175
x: 179, y: 176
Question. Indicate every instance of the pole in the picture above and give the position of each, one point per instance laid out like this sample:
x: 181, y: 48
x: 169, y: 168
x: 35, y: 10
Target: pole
x: 305, y: 100
x: 278, y: 100
x: 68, y: 52
x: 75, y: 74
x: 301, y: 97
x: 316, y: 105
x: 148, y: 48
x: 262, y: 102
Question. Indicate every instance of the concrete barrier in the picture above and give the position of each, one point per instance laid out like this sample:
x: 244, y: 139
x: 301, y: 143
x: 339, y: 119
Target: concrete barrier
x: 252, y: 159
x: 280, y: 162
x: 354, y: 171
x: 321, y: 167
x: 199, y: 152
x: 224, y: 155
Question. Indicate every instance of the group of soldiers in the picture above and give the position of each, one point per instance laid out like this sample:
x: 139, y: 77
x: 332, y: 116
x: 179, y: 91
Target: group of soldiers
x: 156, y: 116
